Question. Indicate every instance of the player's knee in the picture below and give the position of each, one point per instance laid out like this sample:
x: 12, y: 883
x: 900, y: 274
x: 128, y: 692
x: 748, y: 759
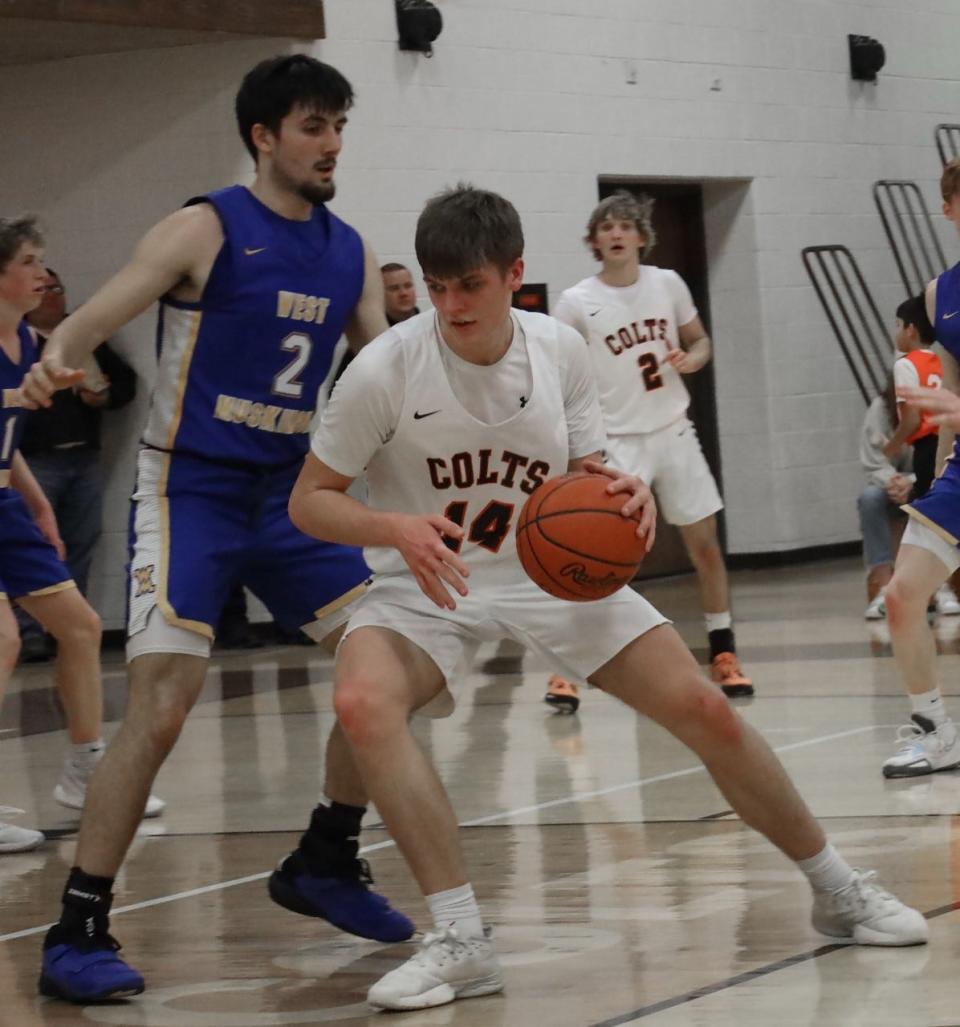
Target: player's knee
x: 157, y: 715
x: 713, y: 714
x: 84, y: 629
x: 706, y: 554
x: 165, y: 727
x: 902, y: 601
x: 362, y: 712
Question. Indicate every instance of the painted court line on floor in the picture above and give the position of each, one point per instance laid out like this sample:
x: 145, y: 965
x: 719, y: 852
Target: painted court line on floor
x: 746, y: 978
x: 477, y: 822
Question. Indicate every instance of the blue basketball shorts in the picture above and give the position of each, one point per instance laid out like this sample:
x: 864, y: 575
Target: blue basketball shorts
x: 29, y: 565
x: 198, y: 528
x: 939, y: 509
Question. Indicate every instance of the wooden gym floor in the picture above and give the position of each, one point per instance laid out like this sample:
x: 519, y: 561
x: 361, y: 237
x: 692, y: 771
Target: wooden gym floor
x: 620, y: 887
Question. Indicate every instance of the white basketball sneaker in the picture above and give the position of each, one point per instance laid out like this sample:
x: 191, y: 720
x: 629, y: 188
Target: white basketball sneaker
x: 877, y: 609
x: 868, y: 914
x: 71, y: 789
x: 18, y: 839
x: 947, y: 604
x: 445, y: 968
x: 924, y: 748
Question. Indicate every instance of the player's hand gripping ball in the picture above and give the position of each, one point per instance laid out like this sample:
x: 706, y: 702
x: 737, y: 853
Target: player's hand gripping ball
x: 573, y: 541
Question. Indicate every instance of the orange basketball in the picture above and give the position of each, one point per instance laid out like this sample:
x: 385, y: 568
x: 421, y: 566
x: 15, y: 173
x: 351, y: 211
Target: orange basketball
x: 573, y: 541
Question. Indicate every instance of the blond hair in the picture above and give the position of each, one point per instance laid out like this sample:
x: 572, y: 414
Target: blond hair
x: 624, y: 206
x: 950, y: 180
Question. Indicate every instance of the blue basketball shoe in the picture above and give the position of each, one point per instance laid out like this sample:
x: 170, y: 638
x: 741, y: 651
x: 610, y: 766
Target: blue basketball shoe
x: 86, y: 969
x: 338, y: 892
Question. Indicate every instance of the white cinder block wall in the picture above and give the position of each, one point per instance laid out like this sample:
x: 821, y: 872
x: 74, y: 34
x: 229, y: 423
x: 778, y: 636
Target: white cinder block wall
x: 537, y: 98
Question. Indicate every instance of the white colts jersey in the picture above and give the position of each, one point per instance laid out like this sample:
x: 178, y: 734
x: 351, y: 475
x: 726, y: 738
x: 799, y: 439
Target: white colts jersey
x: 441, y: 459
x: 629, y: 332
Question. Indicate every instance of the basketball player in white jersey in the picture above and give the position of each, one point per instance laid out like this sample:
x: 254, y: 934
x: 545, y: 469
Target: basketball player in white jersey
x: 456, y: 415
x: 643, y: 334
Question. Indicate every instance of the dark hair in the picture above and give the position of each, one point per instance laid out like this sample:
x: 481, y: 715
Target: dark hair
x: 393, y: 266
x: 464, y: 228
x: 274, y: 87
x: 914, y: 312
x: 14, y: 232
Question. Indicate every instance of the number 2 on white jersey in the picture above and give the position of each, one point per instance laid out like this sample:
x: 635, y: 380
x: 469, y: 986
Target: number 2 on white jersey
x: 286, y: 382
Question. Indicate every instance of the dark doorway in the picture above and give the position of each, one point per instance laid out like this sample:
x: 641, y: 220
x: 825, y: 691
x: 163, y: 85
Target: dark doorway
x: 681, y: 246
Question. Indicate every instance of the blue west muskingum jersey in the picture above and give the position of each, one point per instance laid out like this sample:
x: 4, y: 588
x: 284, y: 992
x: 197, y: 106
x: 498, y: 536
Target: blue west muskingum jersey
x: 240, y: 371
x: 946, y: 321
x: 12, y: 418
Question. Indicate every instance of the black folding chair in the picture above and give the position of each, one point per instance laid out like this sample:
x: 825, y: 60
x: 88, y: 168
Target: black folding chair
x: 853, y: 315
x: 913, y: 241
x: 948, y: 142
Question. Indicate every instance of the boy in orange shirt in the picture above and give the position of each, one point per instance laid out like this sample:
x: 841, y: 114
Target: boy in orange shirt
x: 919, y: 366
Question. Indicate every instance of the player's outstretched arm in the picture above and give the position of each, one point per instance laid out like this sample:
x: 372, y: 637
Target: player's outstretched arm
x: 319, y: 506
x: 169, y: 254
x: 369, y: 318
x: 640, y: 497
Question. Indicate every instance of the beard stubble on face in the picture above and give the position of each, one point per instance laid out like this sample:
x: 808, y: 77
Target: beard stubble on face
x: 317, y: 194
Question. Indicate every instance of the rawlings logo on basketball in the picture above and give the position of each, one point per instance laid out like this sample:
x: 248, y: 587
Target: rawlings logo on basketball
x: 578, y: 573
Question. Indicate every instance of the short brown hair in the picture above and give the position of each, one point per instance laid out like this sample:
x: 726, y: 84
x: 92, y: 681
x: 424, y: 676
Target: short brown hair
x: 624, y: 206
x: 14, y: 232
x: 950, y: 180
x: 464, y: 228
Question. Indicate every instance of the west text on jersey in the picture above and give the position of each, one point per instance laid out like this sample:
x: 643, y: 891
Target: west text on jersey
x: 299, y: 307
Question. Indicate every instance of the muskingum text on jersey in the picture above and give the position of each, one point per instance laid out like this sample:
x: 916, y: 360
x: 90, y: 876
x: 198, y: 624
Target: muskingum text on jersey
x: 464, y: 470
x: 264, y: 416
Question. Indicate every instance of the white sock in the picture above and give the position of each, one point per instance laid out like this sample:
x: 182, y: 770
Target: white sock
x: 717, y: 621
x: 86, y: 754
x: 827, y: 871
x: 930, y: 705
x: 457, y: 908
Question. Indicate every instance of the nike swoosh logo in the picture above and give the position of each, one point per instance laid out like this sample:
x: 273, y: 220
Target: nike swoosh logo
x: 417, y: 416
x: 249, y: 253
x: 947, y: 317
x: 593, y: 313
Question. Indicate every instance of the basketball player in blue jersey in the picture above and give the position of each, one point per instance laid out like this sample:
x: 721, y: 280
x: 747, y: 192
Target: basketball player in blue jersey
x: 255, y: 287
x: 32, y: 572
x: 456, y: 415
x: 929, y: 551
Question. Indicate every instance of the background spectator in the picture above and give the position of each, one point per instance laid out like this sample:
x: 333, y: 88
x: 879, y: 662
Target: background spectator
x: 889, y: 483
x: 399, y: 292
x: 62, y: 447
